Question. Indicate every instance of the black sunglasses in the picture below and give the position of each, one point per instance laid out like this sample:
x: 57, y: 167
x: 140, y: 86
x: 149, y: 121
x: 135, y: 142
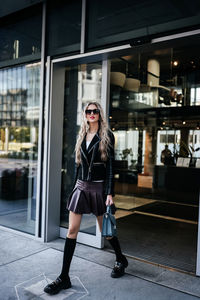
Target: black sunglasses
x: 95, y: 111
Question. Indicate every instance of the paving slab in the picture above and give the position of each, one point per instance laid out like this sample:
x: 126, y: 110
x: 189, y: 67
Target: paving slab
x: 25, y: 273
x: 25, y: 279
x: 163, y: 276
x: 13, y: 247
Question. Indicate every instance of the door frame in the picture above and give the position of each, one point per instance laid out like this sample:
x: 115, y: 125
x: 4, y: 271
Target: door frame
x: 53, y: 134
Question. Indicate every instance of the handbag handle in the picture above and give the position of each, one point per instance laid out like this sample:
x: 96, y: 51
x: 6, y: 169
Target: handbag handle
x: 108, y: 209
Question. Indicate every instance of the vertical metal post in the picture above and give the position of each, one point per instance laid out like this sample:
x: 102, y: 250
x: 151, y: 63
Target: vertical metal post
x: 198, y: 245
x: 105, y: 93
x: 83, y: 26
x: 105, y: 90
x: 40, y: 139
x: 53, y: 155
x: 46, y: 148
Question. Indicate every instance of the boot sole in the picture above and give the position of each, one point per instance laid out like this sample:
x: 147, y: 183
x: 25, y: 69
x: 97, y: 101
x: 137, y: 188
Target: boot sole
x: 117, y: 276
x: 57, y: 291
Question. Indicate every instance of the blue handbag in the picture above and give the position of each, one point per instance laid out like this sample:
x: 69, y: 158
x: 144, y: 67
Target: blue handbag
x: 109, y: 228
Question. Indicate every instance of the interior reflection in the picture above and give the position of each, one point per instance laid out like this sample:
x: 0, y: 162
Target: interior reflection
x: 82, y: 84
x: 154, y: 115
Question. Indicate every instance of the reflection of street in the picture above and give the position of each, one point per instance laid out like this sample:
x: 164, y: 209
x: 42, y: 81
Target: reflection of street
x: 12, y: 163
x: 17, y: 193
x: 13, y: 214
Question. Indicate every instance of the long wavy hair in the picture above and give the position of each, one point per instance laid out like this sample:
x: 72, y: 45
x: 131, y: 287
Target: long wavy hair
x: 105, y: 142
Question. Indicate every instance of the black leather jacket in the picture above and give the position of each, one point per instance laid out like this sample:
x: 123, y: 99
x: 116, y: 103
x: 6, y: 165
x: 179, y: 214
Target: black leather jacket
x: 92, y: 168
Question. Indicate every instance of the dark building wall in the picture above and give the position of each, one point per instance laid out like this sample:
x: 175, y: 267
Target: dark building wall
x: 107, y: 23
x: 11, y: 6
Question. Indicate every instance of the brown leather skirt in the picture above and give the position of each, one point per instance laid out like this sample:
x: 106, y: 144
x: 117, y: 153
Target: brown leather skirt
x: 87, y: 197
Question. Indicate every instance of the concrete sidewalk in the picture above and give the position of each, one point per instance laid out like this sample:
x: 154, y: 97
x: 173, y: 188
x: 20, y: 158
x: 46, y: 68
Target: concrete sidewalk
x: 27, y: 265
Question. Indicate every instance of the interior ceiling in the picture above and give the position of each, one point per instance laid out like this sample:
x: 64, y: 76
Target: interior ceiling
x: 188, y: 57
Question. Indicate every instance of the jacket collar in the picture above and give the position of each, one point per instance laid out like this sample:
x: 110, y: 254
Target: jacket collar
x: 96, y: 139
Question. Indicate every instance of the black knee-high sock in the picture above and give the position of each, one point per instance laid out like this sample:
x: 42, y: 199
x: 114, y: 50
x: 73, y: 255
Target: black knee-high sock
x: 69, y: 248
x: 116, y: 247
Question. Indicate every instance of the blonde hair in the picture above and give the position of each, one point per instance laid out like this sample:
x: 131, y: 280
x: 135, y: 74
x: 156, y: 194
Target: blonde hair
x: 105, y: 142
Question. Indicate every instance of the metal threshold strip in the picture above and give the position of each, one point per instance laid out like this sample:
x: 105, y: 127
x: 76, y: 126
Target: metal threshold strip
x: 165, y: 217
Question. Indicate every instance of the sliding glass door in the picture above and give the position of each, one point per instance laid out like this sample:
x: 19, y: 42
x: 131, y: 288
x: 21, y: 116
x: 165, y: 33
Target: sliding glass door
x: 83, y: 83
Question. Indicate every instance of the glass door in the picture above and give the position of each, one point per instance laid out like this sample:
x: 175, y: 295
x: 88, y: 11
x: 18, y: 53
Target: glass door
x: 154, y: 115
x: 83, y: 83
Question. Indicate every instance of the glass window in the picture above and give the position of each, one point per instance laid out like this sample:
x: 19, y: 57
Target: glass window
x: 155, y: 117
x: 20, y: 34
x: 82, y: 84
x: 64, y: 26
x: 12, y: 7
x: 19, y: 90
x: 113, y: 21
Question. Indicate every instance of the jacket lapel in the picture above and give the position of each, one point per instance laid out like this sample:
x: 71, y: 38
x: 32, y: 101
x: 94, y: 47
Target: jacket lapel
x: 84, y: 150
x: 83, y: 145
x: 96, y: 139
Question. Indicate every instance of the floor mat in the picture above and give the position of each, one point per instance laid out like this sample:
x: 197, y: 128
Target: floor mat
x: 160, y: 241
x: 172, y: 210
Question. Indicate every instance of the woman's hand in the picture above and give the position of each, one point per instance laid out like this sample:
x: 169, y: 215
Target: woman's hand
x: 109, y: 200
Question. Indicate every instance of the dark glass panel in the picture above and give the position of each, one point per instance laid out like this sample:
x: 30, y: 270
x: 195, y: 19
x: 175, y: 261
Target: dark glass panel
x: 20, y: 34
x: 11, y: 6
x: 155, y: 117
x: 63, y: 26
x: 114, y: 21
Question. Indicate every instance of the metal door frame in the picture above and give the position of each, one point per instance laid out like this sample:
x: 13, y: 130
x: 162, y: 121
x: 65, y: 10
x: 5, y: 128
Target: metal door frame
x: 54, y: 106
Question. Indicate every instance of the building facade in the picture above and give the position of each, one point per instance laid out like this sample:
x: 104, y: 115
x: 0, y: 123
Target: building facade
x: 141, y: 61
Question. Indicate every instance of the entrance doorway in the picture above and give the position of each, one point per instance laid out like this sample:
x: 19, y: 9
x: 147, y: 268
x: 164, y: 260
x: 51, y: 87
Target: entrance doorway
x: 153, y: 110
x: 83, y: 83
x: 154, y: 115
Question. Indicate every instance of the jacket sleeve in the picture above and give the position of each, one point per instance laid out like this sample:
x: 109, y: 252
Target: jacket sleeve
x: 109, y: 182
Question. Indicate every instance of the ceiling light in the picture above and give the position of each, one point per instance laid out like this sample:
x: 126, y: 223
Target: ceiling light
x: 175, y: 63
x: 184, y: 122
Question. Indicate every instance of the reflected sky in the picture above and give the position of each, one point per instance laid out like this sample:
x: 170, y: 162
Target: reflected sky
x: 22, y: 78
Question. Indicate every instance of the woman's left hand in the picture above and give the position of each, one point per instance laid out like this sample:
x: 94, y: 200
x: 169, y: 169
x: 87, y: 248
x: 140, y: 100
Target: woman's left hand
x: 109, y: 200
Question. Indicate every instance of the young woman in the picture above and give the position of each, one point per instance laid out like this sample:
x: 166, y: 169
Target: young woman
x: 93, y: 189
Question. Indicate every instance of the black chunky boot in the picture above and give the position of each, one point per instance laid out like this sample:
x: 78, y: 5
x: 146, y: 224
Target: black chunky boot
x: 121, y: 261
x: 57, y: 285
x: 63, y: 280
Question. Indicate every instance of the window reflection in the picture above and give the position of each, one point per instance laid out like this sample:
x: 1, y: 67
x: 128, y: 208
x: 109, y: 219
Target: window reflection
x: 82, y: 84
x: 17, y: 40
x: 19, y: 110
x: 154, y: 115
